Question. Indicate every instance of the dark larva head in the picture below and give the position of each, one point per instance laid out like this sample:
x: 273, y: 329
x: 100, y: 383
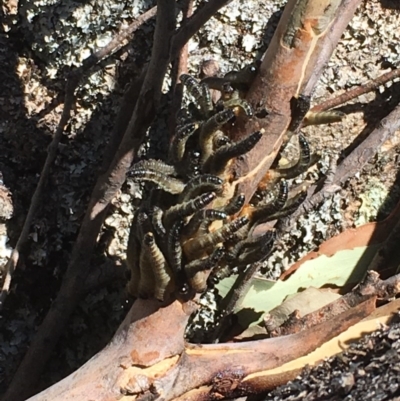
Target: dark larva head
x: 192, y: 86
x: 148, y: 239
x: 234, y: 205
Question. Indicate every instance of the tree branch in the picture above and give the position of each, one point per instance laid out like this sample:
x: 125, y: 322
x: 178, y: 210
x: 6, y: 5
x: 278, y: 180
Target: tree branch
x: 193, y: 24
x: 357, y: 91
x: 295, y: 51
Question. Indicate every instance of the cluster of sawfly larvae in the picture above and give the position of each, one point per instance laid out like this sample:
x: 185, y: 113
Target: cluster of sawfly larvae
x: 187, y: 229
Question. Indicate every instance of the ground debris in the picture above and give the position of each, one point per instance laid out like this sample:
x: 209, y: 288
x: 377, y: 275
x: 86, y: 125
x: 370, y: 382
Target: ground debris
x: 368, y: 370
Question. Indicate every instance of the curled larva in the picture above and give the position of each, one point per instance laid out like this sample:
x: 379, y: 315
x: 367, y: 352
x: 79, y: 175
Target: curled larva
x: 218, y: 161
x: 202, y: 215
x: 168, y: 184
x: 185, y: 209
x: 239, y: 80
x: 257, y: 251
x: 206, y: 102
x: 178, y: 144
x: 263, y: 210
x: 200, y: 184
x: 291, y: 207
x: 220, y: 139
x: 157, y: 221
x: 193, y: 87
x: 283, y: 195
x: 155, y: 165
x: 197, y: 271
x: 232, y: 100
x: 192, y: 167
x: 250, y: 245
x: 200, y: 92
x: 175, y: 243
x: 209, y: 129
x: 244, y: 76
x: 234, y: 205
x: 206, y: 263
x: 195, y: 247
x: 302, y: 164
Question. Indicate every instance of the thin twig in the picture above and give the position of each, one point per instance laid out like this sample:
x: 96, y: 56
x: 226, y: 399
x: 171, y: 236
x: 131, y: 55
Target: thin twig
x: 52, y: 151
x: 120, y: 39
x: 187, y: 30
x: 358, y: 91
x: 179, y: 67
x: 360, y: 156
x: 193, y: 24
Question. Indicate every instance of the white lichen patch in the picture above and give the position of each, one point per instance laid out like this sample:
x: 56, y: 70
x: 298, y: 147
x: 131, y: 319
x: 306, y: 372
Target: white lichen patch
x: 372, y: 198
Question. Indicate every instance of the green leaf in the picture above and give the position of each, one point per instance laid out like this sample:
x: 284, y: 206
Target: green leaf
x: 344, y: 267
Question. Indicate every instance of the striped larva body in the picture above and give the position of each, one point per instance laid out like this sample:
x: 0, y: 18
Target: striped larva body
x: 323, y: 117
x: 200, y: 184
x: 168, y: 184
x: 178, y: 144
x: 218, y: 161
x: 156, y: 165
x: 197, y: 272
x: 185, y: 209
x: 231, y: 99
x: 234, y: 205
x: 302, y: 164
x: 157, y: 221
x: 198, y: 218
x: 162, y: 273
x: 263, y: 210
x: 209, y: 129
x: 147, y: 279
x: 197, y: 246
x: 174, y: 247
x: 206, y: 102
x: 252, y: 250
